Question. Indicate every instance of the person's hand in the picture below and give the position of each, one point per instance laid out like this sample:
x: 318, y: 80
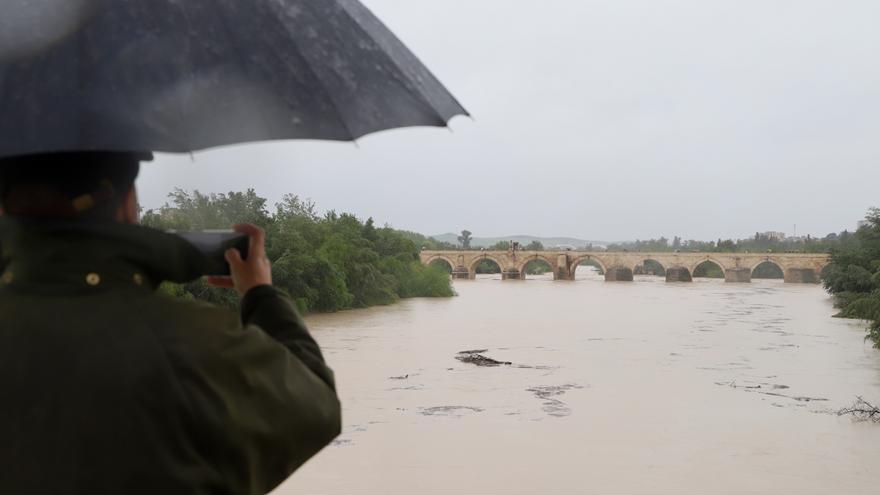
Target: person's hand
x: 252, y: 272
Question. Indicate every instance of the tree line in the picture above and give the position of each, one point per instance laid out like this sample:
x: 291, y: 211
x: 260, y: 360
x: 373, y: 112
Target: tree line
x: 758, y: 243
x: 325, y: 262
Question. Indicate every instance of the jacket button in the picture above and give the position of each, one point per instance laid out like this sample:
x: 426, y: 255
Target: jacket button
x: 93, y: 279
x: 138, y: 279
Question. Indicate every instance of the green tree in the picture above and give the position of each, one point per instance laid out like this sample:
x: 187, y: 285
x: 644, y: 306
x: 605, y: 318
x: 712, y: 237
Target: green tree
x: 197, y: 211
x: 465, y: 239
x: 853, y: 275
x: 325, y: 263
x: 534, y: 246
x: 427, y: 242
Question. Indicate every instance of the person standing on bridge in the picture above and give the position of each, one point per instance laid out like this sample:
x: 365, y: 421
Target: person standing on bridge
x: 109, y: 388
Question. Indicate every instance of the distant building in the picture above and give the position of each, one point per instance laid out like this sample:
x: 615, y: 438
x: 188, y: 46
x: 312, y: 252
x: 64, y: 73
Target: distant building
x: 774, y: 236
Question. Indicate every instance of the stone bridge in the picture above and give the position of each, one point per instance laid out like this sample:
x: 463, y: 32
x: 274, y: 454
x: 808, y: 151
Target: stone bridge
x: 619, y: 266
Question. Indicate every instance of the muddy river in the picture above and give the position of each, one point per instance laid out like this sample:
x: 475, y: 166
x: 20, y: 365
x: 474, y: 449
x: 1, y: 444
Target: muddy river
x: 613, y: 388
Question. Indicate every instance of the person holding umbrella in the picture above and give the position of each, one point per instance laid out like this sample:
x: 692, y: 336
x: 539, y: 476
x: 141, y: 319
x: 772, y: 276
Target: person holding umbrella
x: 105, y: 386
x: 108, y: 387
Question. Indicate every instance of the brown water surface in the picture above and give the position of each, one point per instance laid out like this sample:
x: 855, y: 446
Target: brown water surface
x: 615, y: 388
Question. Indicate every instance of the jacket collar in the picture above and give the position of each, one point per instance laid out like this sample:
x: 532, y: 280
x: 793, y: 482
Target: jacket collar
x: 93, y: 255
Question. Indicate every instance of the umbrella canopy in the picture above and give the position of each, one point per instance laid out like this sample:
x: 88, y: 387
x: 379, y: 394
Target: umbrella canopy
x: 185, y: 75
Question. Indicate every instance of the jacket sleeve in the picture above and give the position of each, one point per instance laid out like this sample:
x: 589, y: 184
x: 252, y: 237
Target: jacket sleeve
x: 264, y: 398
x: 264, y: 307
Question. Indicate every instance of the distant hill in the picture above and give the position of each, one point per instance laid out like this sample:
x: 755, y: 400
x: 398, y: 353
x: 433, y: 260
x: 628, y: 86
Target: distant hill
x: 548, y: 242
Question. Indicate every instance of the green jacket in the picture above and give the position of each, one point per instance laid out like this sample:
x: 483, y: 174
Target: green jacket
x: 107, y: 387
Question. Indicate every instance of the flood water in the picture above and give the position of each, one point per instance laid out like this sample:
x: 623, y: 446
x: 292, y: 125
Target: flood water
x: 614, y: 388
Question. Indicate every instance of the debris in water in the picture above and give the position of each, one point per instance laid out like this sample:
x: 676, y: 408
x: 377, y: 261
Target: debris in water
x: 452, y: 411
x: 760, y: 389
x: 862, y: 410
x: 474, y: 357
x: 553, y: 406
x: 410, y: 387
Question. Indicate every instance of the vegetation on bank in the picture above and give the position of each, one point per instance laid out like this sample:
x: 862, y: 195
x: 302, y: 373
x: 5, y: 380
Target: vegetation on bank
x: 853, y: 275
x: 326, y: 262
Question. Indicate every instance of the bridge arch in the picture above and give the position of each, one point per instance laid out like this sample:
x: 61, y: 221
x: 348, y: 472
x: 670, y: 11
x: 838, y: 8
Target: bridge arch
x: 702, y: 267
x: 651, y: 264
x: 472, y: 268
x: 775, y: 264
x: 704, y: 259
x: 772, y: 259
x: 521, y: 266
x: 440, y: 258
x: 576, y: 262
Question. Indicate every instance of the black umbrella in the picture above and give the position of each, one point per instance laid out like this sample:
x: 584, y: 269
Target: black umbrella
x: 183, y: 75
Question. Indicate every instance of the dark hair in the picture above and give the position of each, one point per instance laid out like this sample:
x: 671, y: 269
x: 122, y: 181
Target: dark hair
x: 76, y: 185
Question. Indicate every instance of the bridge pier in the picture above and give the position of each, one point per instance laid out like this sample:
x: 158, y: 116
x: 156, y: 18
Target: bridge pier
x: 461, y: 272
x: 511, y: 274
x: 801, y: 276
x: 678, y: 274
x: 738, y: 275
x: 619, y: 274
x: 563, y: 271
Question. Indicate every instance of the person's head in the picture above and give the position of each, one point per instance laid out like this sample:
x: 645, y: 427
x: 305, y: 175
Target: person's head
x: 86, y: 186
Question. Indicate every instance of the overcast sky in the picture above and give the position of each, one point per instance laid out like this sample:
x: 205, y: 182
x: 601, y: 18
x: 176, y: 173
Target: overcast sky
x: 605, y: 120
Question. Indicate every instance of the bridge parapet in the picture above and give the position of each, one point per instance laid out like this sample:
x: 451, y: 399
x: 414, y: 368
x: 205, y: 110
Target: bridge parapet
x: 737, y: 267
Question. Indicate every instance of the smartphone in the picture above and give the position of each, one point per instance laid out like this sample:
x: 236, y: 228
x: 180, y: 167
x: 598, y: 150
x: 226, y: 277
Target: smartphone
x: 213, y: 244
